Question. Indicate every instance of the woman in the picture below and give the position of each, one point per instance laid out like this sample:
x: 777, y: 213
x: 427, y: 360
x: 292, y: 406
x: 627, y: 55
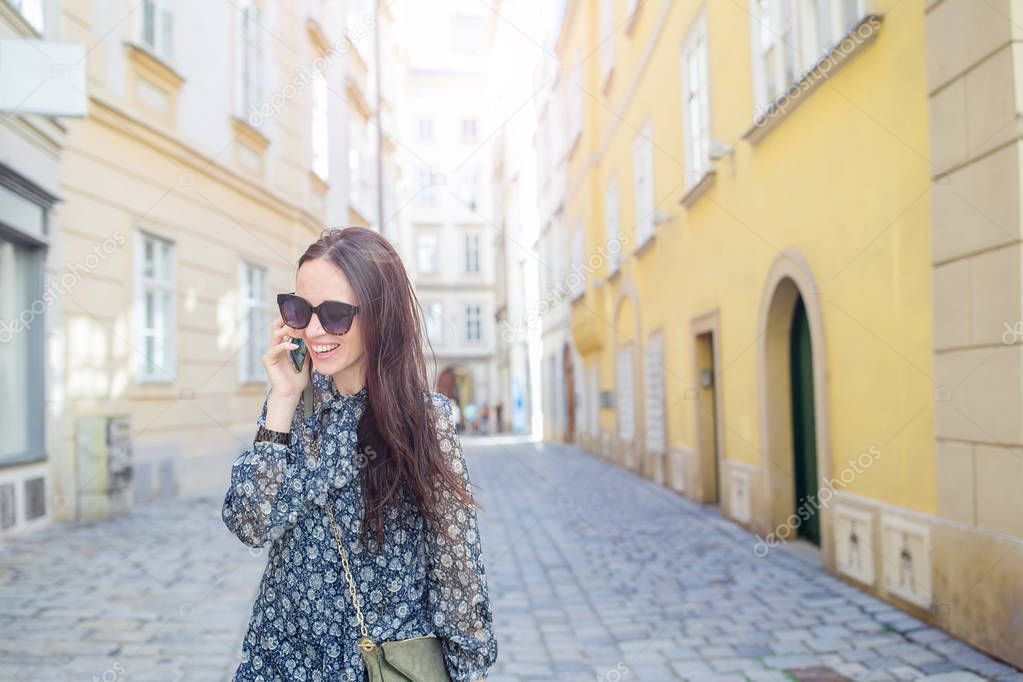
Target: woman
x: 380, y: 450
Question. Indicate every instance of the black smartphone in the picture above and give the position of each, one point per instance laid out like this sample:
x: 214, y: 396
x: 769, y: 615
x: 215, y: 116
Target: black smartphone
x: 298, y: 354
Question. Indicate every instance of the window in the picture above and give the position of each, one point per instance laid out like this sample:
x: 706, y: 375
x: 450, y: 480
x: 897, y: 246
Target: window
x: 643, y: 183
x: 250, y: 59
x: 320, y: 135
x: 156, y: 32
x: 624, y: 398
x: 32, y: 12
x: 826, y: 21
x: 426, y: 130
x: 472, y: 252
x: 467, y: 34
x: 696, y: 104
x: 576, y: 278
x: 435, y: 322
x: 653, y: 375
x: 594, y: 402
x: 427, y: 193
x: 470, y: 135
x: 789, y: 37
x: 362, y: 178
x: 253, y: 302
x: 575, y: 113
x: 21, y: 343
x: 469, y: 187
x: 426, y: 253
x: 155, y: 306
x: 607, y: 37
x: 473, y: 323
x: 611, y: 229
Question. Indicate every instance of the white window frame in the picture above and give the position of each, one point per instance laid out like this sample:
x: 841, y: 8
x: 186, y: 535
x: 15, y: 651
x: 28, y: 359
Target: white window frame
x: 612, y: 225
x: 696, y: 102
x: 250, y: 59
x: 607, y: 45
x: 797, y: 43
x: 426, y: 133
x: 254, y: 318
x: 470, y: 131
x: 473, y: 323
x: 427, y: 194
x: 33, y: 12
x: 643, y: 193
x: 162, y: 286
x: 577, y: 254
x: 158, y: 39
x: 625, y: 396
x: 656, y: 440
x: 320, y: 133
x: 473, y: 253
x: 821, y: 30
x: 427, y: 240
x: 575, y: 110
x: 434, y: 322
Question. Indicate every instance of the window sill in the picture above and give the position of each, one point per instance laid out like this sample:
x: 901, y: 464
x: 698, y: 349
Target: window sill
x: 694, y: 193
x: 631, y: 22
x: 318, y: 184
x: 855, y: 40
x: 152, y: 84
x: 250, y: 153
x: 606, y: 80
x: 23, y: 459
x: 644, y: 246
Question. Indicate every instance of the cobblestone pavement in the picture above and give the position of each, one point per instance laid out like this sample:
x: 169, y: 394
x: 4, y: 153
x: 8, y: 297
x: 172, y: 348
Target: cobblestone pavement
x: 595, y: 574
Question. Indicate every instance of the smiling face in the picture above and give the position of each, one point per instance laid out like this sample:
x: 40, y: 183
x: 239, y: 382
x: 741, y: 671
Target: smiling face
x: 342, y: 357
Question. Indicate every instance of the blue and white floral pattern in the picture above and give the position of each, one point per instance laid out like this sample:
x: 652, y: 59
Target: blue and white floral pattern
x: 303, y: 625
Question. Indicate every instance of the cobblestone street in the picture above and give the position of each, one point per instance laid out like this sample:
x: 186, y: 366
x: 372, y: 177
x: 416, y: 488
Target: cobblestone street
x: 595, y: 573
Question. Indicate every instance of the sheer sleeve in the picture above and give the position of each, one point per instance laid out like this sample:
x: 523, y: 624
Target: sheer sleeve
x: 458, y: 601
x: 272, y: 485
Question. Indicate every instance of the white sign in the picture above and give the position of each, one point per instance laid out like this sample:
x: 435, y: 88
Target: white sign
x: 42, y: 77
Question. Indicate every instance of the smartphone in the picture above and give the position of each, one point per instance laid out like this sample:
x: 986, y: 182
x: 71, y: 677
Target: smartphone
x: 298, y: 354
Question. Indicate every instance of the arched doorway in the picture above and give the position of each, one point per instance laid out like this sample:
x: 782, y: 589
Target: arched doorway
x: 568, y: 377
x: 792, y: 377
x: 456, y: 384
x: 804, y: 440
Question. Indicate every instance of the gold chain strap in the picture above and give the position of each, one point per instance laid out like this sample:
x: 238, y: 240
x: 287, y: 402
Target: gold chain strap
x: 364, y: 642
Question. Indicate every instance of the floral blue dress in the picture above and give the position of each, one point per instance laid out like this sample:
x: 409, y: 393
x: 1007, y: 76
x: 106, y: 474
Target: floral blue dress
x: 303, y: 624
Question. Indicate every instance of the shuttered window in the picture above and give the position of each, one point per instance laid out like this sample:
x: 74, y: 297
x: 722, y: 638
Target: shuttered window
x: 653, y: 383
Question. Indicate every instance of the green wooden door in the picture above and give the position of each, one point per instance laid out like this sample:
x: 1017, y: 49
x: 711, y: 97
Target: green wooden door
x: 804, y: 441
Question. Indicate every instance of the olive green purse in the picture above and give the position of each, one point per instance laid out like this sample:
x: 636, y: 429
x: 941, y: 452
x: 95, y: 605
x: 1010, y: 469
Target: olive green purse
x: 416, y: 659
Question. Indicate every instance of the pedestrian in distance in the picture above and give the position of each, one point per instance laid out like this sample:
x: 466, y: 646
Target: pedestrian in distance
x: 357, y: 485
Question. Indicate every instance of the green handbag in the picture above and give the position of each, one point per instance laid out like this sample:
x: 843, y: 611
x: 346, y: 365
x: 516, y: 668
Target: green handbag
x: 416, y: 659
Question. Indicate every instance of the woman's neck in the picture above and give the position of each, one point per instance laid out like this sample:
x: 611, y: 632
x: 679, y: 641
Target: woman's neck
x: 350, y: 381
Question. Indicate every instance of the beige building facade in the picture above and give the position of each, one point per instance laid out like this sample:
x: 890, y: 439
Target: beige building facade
x: 215, y: 147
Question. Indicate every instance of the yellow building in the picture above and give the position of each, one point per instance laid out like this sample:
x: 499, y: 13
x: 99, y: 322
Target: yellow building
x: 800, y: 224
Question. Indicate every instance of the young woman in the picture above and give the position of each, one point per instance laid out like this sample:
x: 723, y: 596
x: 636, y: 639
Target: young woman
x: 379, y: 451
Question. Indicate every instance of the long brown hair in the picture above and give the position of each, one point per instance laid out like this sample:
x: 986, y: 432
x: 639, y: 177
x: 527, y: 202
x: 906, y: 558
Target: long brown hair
x: 397, y: 433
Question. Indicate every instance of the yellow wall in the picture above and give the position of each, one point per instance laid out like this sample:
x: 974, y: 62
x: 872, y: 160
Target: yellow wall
x: 844, y: 179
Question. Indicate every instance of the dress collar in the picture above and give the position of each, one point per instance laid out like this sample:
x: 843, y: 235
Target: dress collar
x: 327, y: 395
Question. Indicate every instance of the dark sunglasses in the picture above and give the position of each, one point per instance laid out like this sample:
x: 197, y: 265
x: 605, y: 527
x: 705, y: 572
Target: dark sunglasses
x: 335, y: 317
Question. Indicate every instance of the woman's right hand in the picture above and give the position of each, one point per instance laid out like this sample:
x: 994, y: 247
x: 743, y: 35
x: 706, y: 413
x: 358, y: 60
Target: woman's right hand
x: 284, y: 380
